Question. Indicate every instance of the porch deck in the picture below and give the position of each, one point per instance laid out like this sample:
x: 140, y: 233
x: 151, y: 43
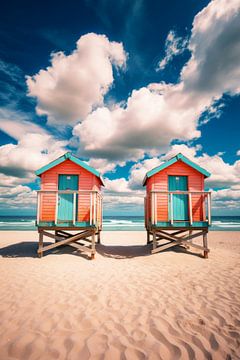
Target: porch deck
x: 61, y: 211
x: 163, y: 224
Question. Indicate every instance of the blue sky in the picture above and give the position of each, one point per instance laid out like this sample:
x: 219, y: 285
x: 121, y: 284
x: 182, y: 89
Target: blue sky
x: 124, y: 85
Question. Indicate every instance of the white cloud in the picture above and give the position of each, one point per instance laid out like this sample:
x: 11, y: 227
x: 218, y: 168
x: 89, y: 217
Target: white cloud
x: 102, y: 165
x: 74, y: 84
x: 156, y: 115
x: 17, y: 197
x: 174, y: 46
x: 148, y: 124
x: 118, y: 193
x: 139, y: 170
x: 226, y: 199
x: 19, y: 128
x: 35, y: 147
x: 222, y: 173
x: 117, y: 186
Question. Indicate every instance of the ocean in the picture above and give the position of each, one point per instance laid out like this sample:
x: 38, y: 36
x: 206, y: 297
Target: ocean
x: 117, y: 223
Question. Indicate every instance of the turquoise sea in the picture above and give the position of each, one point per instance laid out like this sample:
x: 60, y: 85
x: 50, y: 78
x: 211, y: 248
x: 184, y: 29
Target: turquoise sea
x: 114, y: 223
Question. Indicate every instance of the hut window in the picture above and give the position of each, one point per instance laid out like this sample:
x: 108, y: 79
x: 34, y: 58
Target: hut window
x: 177, y: 178
x: 68, y: 177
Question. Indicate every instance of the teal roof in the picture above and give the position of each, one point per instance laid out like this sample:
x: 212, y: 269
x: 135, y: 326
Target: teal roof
x: 69, y: 156
x: 172, y: 161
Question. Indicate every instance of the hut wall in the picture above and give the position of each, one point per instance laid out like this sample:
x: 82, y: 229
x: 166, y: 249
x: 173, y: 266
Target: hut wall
x: 49, y: 181
x: 159, y: 181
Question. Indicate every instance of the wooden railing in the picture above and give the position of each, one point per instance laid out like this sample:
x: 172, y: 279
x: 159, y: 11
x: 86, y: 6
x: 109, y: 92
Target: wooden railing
x: 93, y: 203
x: 152, y: 203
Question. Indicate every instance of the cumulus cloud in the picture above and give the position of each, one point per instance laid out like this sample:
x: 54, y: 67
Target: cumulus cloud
x: 35, y: 147
x: 17, y: 197
x: 222, y: 173
x: 226, y: 199
x: 102, y: 165
x: 148, y: 124
x: 174, y: 45
x: 74, y: 84
x: 118, y: 194
x: 159, y: 113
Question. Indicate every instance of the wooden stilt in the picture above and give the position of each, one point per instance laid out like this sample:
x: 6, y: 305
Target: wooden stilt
x: 98, y: 237
x: 79, y: 241
x: 154, y: 241
x: 40, y: 252
x: 205, y: 245
x: 148, y: 237
x: 93, y: 246
x: 188, y: 246
x: 181, y: 237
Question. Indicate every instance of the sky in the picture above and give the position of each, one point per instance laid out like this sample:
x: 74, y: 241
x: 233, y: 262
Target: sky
x: 124, y: 86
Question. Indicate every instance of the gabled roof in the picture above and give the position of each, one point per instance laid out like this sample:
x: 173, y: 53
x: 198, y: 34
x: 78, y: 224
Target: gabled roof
x: 171, y: 162
x: 69, y: 156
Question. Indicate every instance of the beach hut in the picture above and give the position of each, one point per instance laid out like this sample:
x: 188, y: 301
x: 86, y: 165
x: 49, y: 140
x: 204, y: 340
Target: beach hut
x: 69, y: 200
x: 177, y: 209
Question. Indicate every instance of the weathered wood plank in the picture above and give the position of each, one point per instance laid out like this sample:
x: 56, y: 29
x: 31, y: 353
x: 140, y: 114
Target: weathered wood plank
x: 205, y: 245
x: 40, y: 252
x: 80, y: 247
x: 65, y: 241
x: 167, y: 246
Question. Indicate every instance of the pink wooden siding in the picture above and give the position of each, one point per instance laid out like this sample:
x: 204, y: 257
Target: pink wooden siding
x: 49, y: 181
x: 159, y: 181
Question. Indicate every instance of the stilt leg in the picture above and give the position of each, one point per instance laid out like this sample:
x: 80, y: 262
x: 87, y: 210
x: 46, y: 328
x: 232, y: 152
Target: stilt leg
x: 154, y: 240
x: 205, y: 245
x: 148, y: 237
x: 40, y: 252
x: 98, y: 237
x: 187, y: 246
x: 93, y: 246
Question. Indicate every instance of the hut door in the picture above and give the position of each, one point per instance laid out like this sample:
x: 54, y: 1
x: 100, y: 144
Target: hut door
x: 180, y: 201
x: 65, y: 201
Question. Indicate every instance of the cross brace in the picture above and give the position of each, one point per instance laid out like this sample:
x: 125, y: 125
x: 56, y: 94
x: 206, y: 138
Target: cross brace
x: 65, y: 238
x: 179, y: 238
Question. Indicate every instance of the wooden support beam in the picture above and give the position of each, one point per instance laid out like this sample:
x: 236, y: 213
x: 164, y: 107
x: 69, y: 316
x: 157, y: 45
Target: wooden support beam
x: 38, y: 206
x: 148, y: 237
x: 98, y: 237
x: 190, y: 208
x: 209, y: 208
x: 152, y: 208
x: 90, y: 208
x: 205, y: 245
x: 154, y: 241
x: 164, y: 247
x: 80, y: 247
x: 160, y: 232
x: 171, y: 208
x: 93, y: 246
x: 56, y: 208
x: 74, y: 208
x: 65, y: 241
x: 40, y: 247
x: 174, y: 240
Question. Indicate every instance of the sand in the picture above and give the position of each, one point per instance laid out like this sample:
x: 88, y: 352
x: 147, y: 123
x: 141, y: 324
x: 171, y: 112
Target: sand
x: 125, y: 304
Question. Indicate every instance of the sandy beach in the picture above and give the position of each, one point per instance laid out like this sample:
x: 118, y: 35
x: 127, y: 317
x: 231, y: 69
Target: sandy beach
x: 125, y: 304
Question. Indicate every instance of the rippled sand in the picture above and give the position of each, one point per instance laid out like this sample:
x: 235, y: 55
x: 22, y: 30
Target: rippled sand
x: 126, y: 304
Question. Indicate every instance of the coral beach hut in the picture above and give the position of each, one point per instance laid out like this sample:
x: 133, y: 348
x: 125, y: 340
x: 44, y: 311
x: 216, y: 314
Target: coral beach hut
x: 176, y: 204
x: 69, y: 199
